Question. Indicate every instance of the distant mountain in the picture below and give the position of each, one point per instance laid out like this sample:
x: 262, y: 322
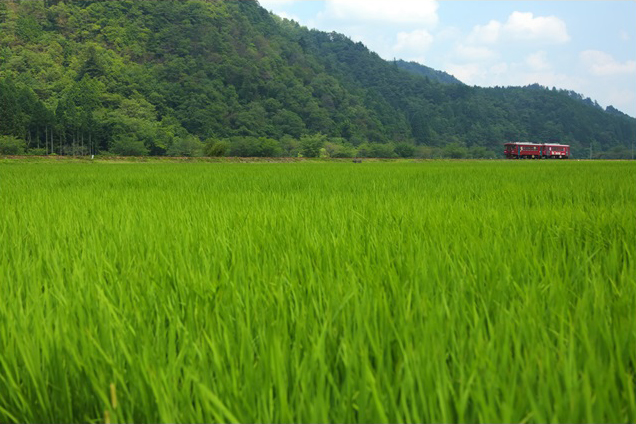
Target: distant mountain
x: 424, y: 71
x: 166, y: 77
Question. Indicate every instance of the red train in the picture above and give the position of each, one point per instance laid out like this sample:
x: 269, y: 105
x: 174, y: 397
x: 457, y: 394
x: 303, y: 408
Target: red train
x: 536, y: 151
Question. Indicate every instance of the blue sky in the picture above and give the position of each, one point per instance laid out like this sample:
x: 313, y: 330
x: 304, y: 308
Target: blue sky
x: 585, y: 46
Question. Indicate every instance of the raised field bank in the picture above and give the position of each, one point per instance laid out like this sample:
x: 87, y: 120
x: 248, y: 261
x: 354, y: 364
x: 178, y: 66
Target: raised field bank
x: 438, y: 291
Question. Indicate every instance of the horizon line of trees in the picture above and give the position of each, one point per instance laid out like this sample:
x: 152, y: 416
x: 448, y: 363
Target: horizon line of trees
x: 310, y: 146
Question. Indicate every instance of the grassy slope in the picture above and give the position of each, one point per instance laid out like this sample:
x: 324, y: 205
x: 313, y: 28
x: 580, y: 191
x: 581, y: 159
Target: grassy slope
x: 315, y: 292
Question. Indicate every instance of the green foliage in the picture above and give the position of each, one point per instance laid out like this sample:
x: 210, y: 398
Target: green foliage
x: 290, y: 146
x: 455, y: 150
x: 28, y: 28
x: 38, y: 151
x: 10, y: 145
x: 216, y: 148
x: 489, y: 291
x: 481, y: 152
x: 189, y: 146
x: 376, y: 150
x: 426, y: 72
x: 336, y: 150
x: 427, y: 152
x: 270, y: 147
x: 92, y: 66
x: 379, y: 150
x: 405, y: 150
x: 245, y: 147
x: 128, y: 145
x: 310, y: 145
x: 253, y: 147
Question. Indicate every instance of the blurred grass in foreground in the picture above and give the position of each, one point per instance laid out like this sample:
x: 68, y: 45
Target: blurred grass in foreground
x: 318, y: 292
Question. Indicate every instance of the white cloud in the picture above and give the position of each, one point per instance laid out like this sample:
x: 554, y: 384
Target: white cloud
x: 499, y: 69
x: 286, y: 15
x: 524, y: 26
x: 470, y: 73
x: 278, y: 6
x: 622, y: 99
x: 274, y: 4
x: 473, y: 53
x: 421, y: 12
x: 418, y: 40
x: 488, y: 33
x: 521, y: 26
x: 538, y: 61
x: 417, y: 59
x: 513, y: 74
x: 448, y: 34
x: 602, y: 64
x: 481, y: 74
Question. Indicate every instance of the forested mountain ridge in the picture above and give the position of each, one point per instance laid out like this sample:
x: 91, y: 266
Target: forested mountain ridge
x: 170, y: 77
x: 426, y: 72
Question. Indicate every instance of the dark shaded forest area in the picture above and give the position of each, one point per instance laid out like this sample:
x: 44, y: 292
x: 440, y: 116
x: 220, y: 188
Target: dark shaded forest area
x: 190, y: 78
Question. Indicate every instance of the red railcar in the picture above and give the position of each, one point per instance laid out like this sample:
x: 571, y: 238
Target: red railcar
x: 556, y: 151
x: 536, y: 151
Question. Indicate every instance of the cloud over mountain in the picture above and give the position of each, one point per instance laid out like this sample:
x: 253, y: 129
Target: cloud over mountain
x: 522, y: 26
x: 603, y: 64
x: 423, y: 13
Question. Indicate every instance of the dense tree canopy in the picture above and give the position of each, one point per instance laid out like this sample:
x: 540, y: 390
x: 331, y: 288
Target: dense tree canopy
x: 190, y: 77
x: 424, y: 71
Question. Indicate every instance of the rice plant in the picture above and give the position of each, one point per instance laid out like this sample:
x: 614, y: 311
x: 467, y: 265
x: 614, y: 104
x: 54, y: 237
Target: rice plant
x: 318, y: 292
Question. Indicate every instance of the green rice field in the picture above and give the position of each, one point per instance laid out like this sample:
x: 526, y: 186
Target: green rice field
x: 433, y: 291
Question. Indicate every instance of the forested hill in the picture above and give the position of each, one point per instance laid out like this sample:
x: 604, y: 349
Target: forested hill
x: 424, y: 71
x: 228, y: 77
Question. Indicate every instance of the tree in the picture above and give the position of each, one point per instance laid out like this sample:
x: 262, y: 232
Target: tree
x: 405, y: 150
x: 340, y: 150
x: 455, y: 150
x: 128, y: 145
x: 189, y: 146
x: 245, y: 147
x: 92, y: 65
x: 290, y: 146
x: 480, y: 152
x: 310, y: 145
x: 28, y: 28
x: 289, y: 123
x: 10, y: 145
x: 216, y: 148
x: 75, y: 112
x: 270, y: 147
x: 380, y: 150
